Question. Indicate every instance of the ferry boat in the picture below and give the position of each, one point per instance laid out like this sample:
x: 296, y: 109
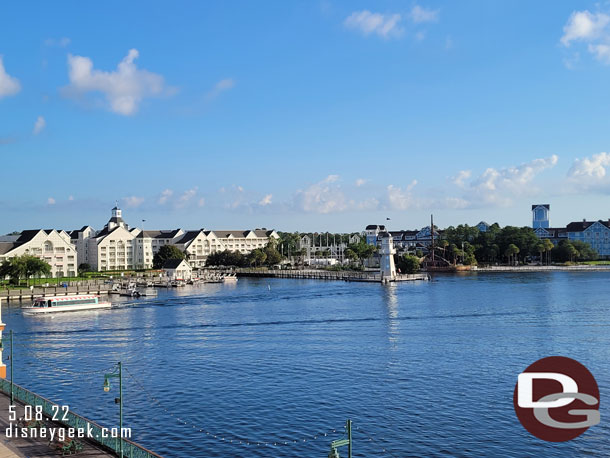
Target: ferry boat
x: 52, y: 304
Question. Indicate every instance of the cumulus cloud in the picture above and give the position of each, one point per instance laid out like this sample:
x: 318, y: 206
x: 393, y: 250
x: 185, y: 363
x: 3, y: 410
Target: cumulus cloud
x: 585, y: 26
x: 220, y: 87
x: 39, y: 125
x: 461, y: 177
x: 322, y: 197
x: 420, y: 14
x: 590, y: 172
x: 133, y: 201
x: 165, y: 196
x: 9, y: 85
x: 186, y: 197
x: 367, y: 23
x: 401, y: 198
x: 266, y: 200
x: 499, y: 186
x: 361, y: 182
x: 124, y: 89
x: 590, y: 28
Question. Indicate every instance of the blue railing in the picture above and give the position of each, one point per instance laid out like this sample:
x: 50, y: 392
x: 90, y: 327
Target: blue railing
x: 72, y: 420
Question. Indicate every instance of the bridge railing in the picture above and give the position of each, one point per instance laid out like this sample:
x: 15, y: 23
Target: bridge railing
x: 73, y: 420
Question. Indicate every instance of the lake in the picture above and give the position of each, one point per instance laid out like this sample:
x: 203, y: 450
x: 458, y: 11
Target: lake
x: 422, y: 368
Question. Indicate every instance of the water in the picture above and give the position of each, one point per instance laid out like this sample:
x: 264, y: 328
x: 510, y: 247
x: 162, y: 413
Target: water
x: 422, y: 369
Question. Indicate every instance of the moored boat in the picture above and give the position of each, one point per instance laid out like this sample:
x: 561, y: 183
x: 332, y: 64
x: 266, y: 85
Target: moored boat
x: 53, y: 304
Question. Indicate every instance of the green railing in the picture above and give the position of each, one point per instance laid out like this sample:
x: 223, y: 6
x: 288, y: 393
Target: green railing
x: 72, y: 420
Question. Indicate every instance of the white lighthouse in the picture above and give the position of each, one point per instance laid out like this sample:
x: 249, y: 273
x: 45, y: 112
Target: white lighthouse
x: 387, y: 251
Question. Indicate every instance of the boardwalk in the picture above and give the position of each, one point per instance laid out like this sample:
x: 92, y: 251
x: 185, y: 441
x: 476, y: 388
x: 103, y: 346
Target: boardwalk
x: 39, y: 448
x: 342, y: 275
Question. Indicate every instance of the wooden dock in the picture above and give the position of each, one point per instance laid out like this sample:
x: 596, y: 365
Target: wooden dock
x: 331, y: 275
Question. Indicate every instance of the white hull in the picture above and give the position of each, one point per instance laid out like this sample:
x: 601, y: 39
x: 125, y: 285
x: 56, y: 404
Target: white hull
x: 65, y: 308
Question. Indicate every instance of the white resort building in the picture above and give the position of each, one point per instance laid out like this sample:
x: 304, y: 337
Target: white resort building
x: 49, y: 244
x: 117, y: 247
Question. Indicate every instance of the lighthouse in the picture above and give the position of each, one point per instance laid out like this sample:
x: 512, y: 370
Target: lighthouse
x: 388, y: 269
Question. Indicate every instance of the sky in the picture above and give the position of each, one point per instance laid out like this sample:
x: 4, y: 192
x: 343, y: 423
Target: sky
x: 303, y: 115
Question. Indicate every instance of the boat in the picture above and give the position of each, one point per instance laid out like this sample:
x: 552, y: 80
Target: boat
x: 52, y: 304
x: 229, y: 278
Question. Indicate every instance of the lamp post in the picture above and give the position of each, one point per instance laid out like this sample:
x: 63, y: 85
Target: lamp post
x: 119, y: 400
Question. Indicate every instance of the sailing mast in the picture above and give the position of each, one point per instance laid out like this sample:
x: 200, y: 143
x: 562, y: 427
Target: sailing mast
x: 432, y: 235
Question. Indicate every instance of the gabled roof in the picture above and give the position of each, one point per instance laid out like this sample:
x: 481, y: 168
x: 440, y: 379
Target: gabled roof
x: 5, y: 247
x: 28, y: 235
x: 189, y: 236
x: 173, y: 263
x: 547, y: 206
x: 158, y: 234
x: 579, y: 226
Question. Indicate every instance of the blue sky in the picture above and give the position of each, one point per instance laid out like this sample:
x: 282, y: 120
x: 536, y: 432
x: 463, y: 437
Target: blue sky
x: 303, y: 115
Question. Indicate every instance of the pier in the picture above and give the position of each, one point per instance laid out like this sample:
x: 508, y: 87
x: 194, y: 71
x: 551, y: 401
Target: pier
x: 342, y: 275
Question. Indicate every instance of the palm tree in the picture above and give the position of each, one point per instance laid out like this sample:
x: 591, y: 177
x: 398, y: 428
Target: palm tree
x: 511, y: 251
x: 548, y: 247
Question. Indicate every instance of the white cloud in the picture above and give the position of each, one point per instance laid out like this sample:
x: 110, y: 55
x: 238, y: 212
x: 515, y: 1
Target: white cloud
x: 384, y: 25
x: 124, y: 88
x: 401, y: 199
x: 59, y: 42
x: 361, y: 182
x: 266, y: 200
x: 9, y: 85
x: 461, y: 177
x: 583, y: 25
x: 133, y: 201
x: 51, y: 201
x: 590, y: 170
x: 420, y: 14
x: 499, y: 186
x: 590, y: 28
x: 322, y: 197
x: 186, y: 197
x: 165, y: 196
x: 220, y: 87
x: 39, y: 125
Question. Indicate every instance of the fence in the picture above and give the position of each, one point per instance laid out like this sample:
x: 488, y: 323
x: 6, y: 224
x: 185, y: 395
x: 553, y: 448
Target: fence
x: 72, y: 420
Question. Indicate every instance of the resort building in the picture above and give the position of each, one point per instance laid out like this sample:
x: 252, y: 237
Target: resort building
x: 595, y: 233
x: 403, y: 240
x: 540, y: 216
x: 117, y: 247
x: 49, y: 244
x: 177, y: 269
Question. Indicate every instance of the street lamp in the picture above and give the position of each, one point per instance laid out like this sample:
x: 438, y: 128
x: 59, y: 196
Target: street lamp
x: 118, y: 374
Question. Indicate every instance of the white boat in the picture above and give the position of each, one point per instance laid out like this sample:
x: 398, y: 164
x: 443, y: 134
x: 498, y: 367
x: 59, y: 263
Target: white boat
x: 53, y: 304
x: 229, y: 278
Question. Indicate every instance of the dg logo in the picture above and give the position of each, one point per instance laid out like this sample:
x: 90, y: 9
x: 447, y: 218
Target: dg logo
x: 556, y: 399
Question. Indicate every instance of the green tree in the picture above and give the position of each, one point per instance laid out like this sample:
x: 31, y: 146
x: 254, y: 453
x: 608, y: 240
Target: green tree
x: 407, y: 263
x: 548, y: 247
x: 256, y: 257
x: 511, y: 251
x: 26, y: 266
x: 84, y: 267
x: 165, y: 253
x: 35, y: 266
x: 273, y: 256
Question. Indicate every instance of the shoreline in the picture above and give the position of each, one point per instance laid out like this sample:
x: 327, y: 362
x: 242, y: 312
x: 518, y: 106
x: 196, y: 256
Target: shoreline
x: 600, y: 268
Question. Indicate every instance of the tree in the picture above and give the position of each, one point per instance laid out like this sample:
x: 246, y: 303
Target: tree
x: 35, y: 266
x: 548, y: 247
x: 165, y: 253
x: 257, y: 257
x: 84, y: 267
x: 24, y: 266
x: 407, y: 263
x: 511, y: 251
x: 273, y: 256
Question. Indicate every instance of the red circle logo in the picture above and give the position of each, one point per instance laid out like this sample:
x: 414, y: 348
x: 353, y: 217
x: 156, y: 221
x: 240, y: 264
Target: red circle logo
x: 556, y: 399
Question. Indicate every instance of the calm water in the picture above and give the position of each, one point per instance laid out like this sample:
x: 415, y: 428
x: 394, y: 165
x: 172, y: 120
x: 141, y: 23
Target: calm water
x: 422, y: 369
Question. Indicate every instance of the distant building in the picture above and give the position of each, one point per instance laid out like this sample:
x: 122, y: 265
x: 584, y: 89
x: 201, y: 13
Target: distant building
x: 482, y: 226
x: 371, y: 232
x: 117, y: 247
x: 554, y: 234
x: 595, y: 233
x: 52, y: 245
x: 540, y: 216
x: 177, y: 269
